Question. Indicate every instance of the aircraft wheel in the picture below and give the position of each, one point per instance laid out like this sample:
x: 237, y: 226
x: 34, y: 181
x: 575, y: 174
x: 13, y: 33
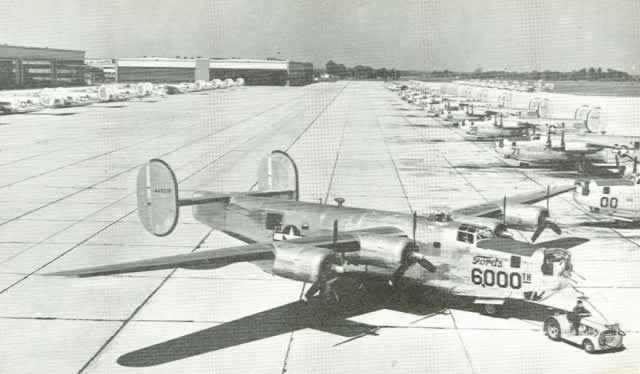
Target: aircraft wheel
x: 588, y: 346
x: 582, y: 166
x: 552, y: 329
x: 490, y: 309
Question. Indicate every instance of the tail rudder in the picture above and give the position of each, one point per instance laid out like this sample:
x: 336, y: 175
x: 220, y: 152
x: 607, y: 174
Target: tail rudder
x: 158, y: 198
x: 277, y: 177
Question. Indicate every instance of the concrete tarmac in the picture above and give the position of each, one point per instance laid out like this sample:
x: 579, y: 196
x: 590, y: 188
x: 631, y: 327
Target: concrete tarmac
x: 67, y: 200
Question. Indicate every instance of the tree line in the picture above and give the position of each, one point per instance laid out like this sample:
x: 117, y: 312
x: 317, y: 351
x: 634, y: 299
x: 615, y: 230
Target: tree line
x: 591, y: 74
x: 359, y: 72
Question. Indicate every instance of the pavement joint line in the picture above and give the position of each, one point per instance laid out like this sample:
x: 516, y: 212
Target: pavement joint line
x: 191, y: 142
x: 66, y: 148
x: 290, y: 342
x: 281, y: 122
x: 97, y: 232
x: 175, y: 269
x: 309, y: 125
x: 464, y: 347
x: 137, y: 310
x: 335, y: 163
x: 393, y: 162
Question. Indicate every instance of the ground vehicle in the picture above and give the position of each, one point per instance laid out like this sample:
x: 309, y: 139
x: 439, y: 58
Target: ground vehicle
x: 592, y: 336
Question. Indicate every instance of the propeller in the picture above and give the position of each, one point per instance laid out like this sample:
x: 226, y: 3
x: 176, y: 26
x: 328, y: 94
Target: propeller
x: 562, y: 143
x: 544, y: 221
x: 326, y: 279
x: 414, y: 256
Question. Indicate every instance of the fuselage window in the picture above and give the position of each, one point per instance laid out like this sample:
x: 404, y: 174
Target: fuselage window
x: 465, y: 237
x: 273, y: 220
x: 606, y: 190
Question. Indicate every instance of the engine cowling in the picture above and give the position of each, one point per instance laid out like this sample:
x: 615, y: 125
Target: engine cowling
x: 384, y: 251
x: 525, y: 215
x: 305, y: 264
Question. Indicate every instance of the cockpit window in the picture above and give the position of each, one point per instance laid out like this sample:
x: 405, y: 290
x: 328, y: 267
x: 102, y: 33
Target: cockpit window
x: 465, y: 237
x: 486, y: 234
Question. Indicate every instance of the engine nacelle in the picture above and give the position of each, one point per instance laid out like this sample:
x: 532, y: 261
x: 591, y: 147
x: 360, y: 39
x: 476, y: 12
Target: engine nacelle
x: 384, y: 251
x: 305, y: 264
x: 576, y: 146
x: 525, y: 215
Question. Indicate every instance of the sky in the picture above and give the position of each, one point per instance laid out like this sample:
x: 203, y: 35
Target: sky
x: 460, y: 35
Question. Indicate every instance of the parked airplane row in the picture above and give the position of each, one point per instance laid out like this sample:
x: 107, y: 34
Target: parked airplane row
x: 532, y: 137
x: 70, y: 97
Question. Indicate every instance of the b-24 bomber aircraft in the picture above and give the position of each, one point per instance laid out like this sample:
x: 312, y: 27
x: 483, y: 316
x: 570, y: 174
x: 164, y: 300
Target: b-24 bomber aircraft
x: 465, y: 252
x: 617, y: 198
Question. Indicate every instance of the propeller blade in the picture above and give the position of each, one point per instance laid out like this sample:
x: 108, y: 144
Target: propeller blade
x: 504, y: 210
x: 399, y: 273
x: 427, y: 265
x: 414, y: 226
x: 315, y: 287
x: 635, y: 165
x: 554, y: 227
x: 537, y: 233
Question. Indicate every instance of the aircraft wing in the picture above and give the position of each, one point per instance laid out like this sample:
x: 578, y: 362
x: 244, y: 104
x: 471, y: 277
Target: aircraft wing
x: 224, y: 256
x: 494, y: 207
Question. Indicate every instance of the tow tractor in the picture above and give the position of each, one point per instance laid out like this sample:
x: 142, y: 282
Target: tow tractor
x: 591, y: 336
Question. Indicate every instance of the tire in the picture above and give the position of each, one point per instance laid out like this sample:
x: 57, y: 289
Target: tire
x: 582, y: 167
x: 490, y: 309
x: 552, y: 329
x: 588, y: 346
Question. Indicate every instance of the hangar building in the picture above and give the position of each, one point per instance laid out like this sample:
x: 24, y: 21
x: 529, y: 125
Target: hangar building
x: 254, y: 72
x: 38, y: 67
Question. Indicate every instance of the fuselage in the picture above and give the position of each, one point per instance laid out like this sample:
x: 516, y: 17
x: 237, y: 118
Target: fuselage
x: 462, y: 252
x: 617, y: 198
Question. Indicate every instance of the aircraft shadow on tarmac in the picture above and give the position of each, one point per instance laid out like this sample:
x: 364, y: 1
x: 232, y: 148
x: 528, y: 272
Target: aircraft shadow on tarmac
x: 316, y: 314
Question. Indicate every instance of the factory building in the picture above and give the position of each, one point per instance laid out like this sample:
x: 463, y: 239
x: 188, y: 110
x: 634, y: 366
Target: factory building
x: 38, y: 67
x: 254, y: 72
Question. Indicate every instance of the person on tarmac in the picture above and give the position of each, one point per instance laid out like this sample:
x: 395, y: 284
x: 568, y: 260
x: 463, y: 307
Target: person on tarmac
x: 579, y: 312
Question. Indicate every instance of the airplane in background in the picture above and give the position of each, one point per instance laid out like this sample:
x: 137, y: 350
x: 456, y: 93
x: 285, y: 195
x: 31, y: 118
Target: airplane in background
x: 62, y: 98
x: 585, y: 151
x: 499, y: 126
x: 617, y: 198
x: 465, y: 252
x: 19, y: 104
x: 116, y: 92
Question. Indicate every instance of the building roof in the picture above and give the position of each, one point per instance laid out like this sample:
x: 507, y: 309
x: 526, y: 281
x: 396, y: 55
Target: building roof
x: 229, y: 63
